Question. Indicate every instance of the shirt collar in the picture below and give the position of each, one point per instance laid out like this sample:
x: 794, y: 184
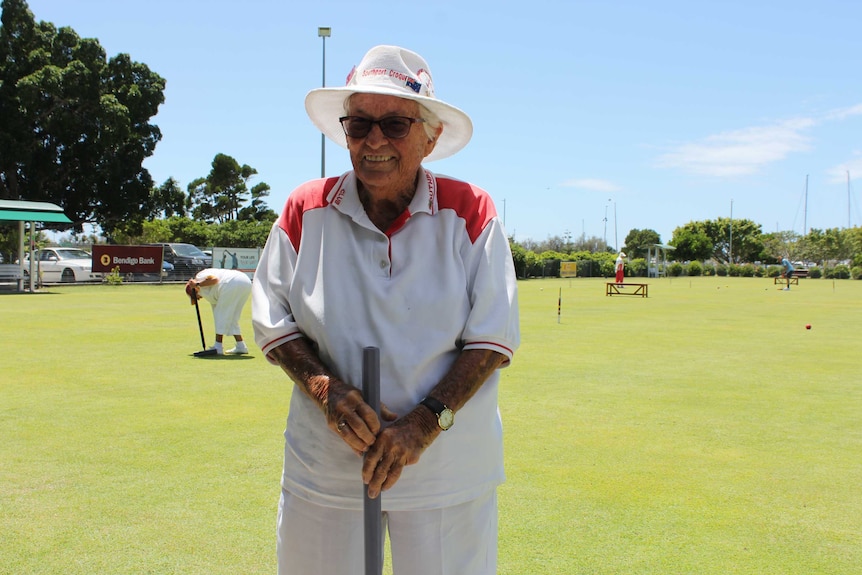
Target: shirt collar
x: 344, y: 196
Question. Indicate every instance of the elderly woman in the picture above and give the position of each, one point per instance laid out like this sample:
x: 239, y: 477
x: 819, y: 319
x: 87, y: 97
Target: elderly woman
x: 620, y: 268
x: 227, y: 291
x: 394, y: 256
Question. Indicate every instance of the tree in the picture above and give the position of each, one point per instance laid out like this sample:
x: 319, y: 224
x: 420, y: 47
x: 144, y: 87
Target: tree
x: 777, y: 245
x: 220, y: 196
x: 637, y: 242
x: 825, y: 245
x: 235, y: 233
x: 169, y: 200
x: 74, y: 126
x: 853, y: 241
x: 565, y: 244
x: 555, y: 244
x: 551, y: 263
x: 519, y: 259
x: 747, y: 245
x: 242, y: 233
x: 691, y: 242
x: 257, y: 210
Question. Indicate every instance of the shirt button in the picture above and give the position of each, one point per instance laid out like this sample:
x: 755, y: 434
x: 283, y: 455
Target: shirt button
x: 383, y: 264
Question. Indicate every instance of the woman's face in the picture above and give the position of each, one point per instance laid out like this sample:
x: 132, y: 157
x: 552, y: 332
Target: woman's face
x: 387, y: 166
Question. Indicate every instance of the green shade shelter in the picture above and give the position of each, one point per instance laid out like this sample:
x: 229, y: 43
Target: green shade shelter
x: 22, y: 211
x: 18, y: 211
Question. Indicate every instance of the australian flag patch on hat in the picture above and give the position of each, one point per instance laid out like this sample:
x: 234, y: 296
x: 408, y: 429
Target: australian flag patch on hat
x: 414, y: 85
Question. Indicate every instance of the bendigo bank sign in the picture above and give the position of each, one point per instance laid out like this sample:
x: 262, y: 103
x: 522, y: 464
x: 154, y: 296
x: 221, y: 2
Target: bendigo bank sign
x: 130, y: 259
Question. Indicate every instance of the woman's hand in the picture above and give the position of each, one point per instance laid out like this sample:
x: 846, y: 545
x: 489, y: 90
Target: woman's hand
x: 398, y: 445
x: 351, y: 418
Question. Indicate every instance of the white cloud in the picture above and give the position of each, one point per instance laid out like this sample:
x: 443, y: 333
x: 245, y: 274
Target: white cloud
x: 843, y: 113
x: 592, y: 184
x: 740, y: 152
x: 838, y: 174
x: 745, y: 151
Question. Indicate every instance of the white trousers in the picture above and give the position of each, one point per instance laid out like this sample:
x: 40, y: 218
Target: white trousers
x: 232, y: 295
x: 458, y: 540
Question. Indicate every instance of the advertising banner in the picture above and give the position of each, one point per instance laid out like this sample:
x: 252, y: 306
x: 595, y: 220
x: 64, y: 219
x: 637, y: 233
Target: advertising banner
x: 130, y: 259
x: 568, y: 269
x: 242, y: 259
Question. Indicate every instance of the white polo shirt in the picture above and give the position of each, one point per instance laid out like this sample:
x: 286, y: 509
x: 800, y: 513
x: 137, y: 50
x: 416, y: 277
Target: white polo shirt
x: 439, y: 281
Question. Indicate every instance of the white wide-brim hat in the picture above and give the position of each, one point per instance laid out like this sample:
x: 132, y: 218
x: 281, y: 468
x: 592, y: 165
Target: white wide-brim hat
x: 390, y: 71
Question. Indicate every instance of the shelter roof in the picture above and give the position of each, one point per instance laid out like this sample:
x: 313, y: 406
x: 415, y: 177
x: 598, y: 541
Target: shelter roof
x: 18, y: 210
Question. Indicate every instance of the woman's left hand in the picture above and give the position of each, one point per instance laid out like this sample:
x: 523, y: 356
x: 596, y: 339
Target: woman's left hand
x: 397, y: 445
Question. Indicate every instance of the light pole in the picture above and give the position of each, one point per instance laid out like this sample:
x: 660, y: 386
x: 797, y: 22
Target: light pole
x: 605, y: 238
x: 323, y: 33
x: 730, y: 241
x: 606, y: 223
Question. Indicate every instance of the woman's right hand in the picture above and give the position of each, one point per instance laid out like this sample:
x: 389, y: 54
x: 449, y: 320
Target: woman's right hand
x: 351, y: 418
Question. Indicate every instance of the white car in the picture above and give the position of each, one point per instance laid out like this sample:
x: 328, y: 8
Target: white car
x: 63, y: 265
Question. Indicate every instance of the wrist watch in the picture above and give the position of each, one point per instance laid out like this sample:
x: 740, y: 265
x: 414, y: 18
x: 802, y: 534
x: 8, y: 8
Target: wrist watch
x: 445, y: 416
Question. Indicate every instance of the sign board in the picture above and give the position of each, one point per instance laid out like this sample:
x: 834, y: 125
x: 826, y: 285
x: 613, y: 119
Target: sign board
x: 130, y: 259
x: 568, y: 269
x: 242, y: 259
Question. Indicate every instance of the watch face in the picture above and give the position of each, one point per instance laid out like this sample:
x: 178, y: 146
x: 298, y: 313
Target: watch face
x: 446, y: 418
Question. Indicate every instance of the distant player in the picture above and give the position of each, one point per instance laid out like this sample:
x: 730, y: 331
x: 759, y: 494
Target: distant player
x: 788, y: 271
x: 227, y: 291
x: 620, y: 268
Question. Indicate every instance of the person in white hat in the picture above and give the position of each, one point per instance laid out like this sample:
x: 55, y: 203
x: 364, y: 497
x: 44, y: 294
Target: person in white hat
x: 619, y: 268
x: 418, y: 265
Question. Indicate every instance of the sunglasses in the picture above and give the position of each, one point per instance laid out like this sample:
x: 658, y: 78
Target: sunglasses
x: 395, y: 127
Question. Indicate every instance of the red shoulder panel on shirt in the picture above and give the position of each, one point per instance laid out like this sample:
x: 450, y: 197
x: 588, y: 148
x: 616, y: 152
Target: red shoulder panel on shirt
x: 309, y: 196
x: 471, y: 203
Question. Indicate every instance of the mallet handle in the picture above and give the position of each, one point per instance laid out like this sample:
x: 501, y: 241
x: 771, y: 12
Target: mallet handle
x: 372, y: 509
x: 200, y: 324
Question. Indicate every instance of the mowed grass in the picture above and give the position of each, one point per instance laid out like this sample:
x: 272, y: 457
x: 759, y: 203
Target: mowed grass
x: 701, y: 430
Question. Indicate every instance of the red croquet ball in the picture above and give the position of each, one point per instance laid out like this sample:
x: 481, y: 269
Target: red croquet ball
x: 808, y: 326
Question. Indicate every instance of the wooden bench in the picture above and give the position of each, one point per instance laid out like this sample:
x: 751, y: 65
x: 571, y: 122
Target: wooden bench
x: 794, y: 280
x: 800, y: 273
x: 612, y: 288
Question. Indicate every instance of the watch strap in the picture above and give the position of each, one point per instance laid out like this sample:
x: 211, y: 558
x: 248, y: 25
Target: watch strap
x: 436, y: 406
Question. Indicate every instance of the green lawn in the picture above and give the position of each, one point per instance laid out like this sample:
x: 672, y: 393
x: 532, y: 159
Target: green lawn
x: 701, y: 430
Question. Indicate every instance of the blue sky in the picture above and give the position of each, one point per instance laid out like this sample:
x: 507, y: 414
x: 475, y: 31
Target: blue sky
x: 648, y: 113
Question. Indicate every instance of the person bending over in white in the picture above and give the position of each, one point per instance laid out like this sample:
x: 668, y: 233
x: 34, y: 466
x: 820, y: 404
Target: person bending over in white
x: 227, y: 291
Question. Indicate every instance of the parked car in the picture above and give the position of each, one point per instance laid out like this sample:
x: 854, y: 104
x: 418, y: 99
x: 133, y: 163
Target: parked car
x: 165, y: 274
x: 63, y: 265
x: 187, y: 259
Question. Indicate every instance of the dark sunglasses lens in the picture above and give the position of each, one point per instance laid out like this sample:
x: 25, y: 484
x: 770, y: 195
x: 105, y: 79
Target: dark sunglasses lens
x: 395, y: 127
x: 357, y: 127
